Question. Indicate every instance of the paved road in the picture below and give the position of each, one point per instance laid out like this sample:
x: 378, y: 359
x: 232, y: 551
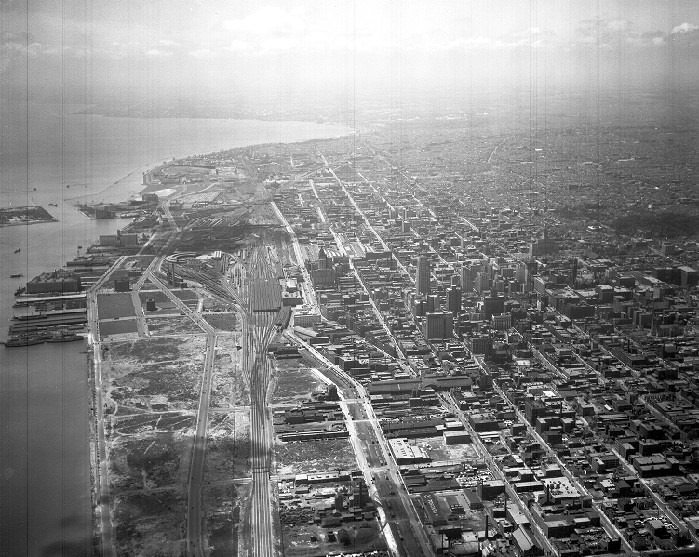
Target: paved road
x: 195, y: 539
x: 497, y: 473
x: 102, y: 473
x: 374, y: 456
x: 306, y: 285
x: 609, y: 527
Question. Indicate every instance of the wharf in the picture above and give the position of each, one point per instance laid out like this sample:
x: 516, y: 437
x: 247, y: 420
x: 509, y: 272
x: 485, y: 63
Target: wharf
x: 32, y: 315
x: 22, y: 327
x: 30, y: 300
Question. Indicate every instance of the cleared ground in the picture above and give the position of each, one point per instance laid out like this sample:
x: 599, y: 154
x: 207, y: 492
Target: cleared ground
x: 223, y: 321
x: 438, y: 450
x: 172, y: 326
x: 321, y: 455
x: 110, y: 306
x: 148, y: 461
x: 149, y: 524
x: 151, y: 389
x: 223, y: 520
x: 295, y: 382
x: 123, y: 326
x: 312, y: 539
x: 229, y: 388
x: 228, y: 446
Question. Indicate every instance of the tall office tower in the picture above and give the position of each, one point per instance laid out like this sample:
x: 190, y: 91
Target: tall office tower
x: 493, y: 305
x: 422, y: 275
x: 438, y: 325
x: 454, y: 299
x: 323, y: 262
x: 467, y: 278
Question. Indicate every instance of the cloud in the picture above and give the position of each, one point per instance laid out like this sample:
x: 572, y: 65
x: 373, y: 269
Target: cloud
x: 203, y: 53
x: 17, y: 46
x: 236, y: 45
x: 615, y: 33
x: 471, y: 42
x: 279, y: 43
x: 684, y: 28
x: 158, y: 53
x: 618, y: 24
x: 269, y: 20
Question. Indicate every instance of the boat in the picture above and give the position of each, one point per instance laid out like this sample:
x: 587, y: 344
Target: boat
x: 24, y: 340
x: 30, y: 317
x: 18, y: 250
x: 53, y: 204
x: 64, y: 337
x: 16, y: 275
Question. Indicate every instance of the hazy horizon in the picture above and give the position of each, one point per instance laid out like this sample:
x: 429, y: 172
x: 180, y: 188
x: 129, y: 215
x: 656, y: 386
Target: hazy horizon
x: 307, y: 53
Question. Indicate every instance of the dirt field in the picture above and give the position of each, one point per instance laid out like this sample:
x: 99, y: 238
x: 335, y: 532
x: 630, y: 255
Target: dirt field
x: 312, y: 539
x: 121, y: 327
x: 438, y: 450
x: 229, y: 388
x: 151, y: 389
x: 228, y: 446
x: 147, y: 350
x: 152, y: 422
x: 302, y: 457
x: 149, y: 461
x: 223, y: 517
x: 295, y: 382
x: 174, y: 325
x: 150, y: 524
x: 223, y: 321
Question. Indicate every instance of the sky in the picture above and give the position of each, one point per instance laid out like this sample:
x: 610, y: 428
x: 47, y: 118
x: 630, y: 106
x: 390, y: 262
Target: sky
x: 204, y: 50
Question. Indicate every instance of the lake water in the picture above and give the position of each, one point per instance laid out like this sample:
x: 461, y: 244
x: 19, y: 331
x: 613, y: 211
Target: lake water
x: 45, y: 507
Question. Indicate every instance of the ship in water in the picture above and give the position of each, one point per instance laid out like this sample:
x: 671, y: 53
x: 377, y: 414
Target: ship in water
x: 18, y: 250
x: 64, y: 337
x: 16, y: 275
x: 14, y: 341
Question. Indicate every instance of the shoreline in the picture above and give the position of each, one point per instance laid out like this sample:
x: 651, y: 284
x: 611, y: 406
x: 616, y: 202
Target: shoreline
x: 126, y: 185
x: 146, y: 188
x: 92, y: 110
x: 29, y: 222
